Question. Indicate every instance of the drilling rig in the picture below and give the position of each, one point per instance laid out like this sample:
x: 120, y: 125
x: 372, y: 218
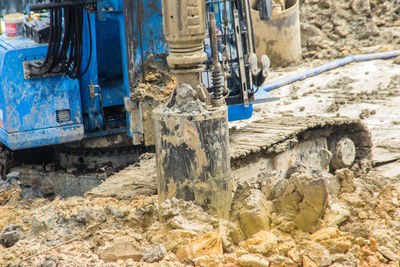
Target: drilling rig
x: 73, y: 95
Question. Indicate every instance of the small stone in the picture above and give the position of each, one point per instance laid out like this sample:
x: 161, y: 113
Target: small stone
x: 120, y: 249
x: 13, y: 176
x: 209, y: 261
x: 49, y: 262
x: 317, y: 253
x: 336, y: 214
x: 252, y: 260
x: 263, y: 242
x: 209, y: 244
x: 387, y: 253
x: 346, y: 177
x: 154, y: 253
x: 10, y: 236
x: 325, y: 234
x: 337, y: 245
x: 307, y: 262
x: 333, y: 184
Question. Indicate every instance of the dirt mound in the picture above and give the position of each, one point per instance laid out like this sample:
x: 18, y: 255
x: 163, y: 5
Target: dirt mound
x: 355, y: 222
x: 338, y: 28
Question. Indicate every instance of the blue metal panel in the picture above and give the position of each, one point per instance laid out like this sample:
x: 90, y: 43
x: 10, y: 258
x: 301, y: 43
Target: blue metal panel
x: 43, y: 137
x: 28, y: 108
x: 112, y: 93
x: 239, y: 112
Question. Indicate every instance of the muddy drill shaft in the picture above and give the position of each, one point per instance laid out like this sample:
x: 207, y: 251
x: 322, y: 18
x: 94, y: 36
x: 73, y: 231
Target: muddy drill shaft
x: 193, y: 161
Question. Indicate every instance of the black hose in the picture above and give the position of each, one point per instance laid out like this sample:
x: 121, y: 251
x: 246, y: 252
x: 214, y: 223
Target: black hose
x: 65, y: 48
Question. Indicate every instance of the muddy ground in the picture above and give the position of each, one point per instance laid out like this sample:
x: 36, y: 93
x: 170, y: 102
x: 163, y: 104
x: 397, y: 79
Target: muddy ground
x: 359, y: 223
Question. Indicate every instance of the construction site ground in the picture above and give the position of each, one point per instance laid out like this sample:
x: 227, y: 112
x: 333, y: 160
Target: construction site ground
x: 120, y: 223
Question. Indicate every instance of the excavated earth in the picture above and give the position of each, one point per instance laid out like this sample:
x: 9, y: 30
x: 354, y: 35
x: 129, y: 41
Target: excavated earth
x: 310, y: 218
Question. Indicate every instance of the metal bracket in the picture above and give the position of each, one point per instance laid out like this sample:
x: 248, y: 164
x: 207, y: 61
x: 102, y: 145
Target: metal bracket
x: 129, y: 105
x: 265, y: 8
x: 92, y: 90
x: 242, y: 69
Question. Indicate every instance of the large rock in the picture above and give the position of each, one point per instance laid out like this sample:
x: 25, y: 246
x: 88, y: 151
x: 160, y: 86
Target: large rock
x: 303, y: 198
x: 252, y: 210
x: 135, y: 180
x: 121, y: 249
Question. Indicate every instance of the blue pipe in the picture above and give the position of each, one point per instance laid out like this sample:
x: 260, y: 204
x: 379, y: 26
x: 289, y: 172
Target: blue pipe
x: 329, y: 66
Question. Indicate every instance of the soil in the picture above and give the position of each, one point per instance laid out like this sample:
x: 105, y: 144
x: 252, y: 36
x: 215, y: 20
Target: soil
x: 334, y: 29
x: 357, y: 219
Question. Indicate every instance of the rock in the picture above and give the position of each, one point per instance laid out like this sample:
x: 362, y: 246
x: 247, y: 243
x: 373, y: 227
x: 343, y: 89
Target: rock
x: 388, y: 254
x: 252, y: 260
x: 294, y: 255
x: 144, y: 215
x: 358, y: 229
x: 333, y: 185
x: 360, y: 6
x: 302, y: 197
x: 315, y: 196
x: 8, y: 239
x: 171, y: 239
x: 184, y: 101
x: 10, y: 236
x: 325, y: 3
x: 332, y: 239
x: 307, y: 262
x: 13, y: 176
x: 179, y: 222
x: 49, y: 262
x: 279, y: 260
x: 121, y: 249
x: 336, y: 213
x: 316, y: 252
x: 337, y: 245
x: 263, y: 242
x: 154, y: 253
x: 209, y: 261
x: 209, y: 244
x: 346, y: 177
x: 325, y: 234
x: 130, y: 183
x: 252, y: 210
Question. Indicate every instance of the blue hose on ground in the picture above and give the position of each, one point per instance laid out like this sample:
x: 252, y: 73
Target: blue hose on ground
x: 329, y: 66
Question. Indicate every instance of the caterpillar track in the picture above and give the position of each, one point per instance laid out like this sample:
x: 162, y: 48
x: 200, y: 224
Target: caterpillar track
x: 272, y: 144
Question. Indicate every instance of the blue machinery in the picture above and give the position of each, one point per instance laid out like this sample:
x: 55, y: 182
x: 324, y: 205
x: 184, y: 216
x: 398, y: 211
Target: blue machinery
x: 52, y: 108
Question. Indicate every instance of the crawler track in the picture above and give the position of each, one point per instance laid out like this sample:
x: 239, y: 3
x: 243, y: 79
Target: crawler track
x: 270, y: 143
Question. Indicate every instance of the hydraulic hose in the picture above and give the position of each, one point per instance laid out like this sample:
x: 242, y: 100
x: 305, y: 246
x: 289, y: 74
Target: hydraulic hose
x: 65, y: 48
x: 329, y: 66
